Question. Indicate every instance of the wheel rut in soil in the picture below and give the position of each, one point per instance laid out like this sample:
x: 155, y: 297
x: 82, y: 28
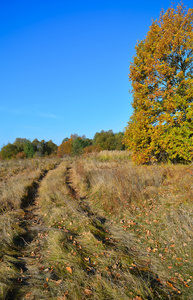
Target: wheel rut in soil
x: 96, y: 220
x: 28, y: 245
x: 103, y: 235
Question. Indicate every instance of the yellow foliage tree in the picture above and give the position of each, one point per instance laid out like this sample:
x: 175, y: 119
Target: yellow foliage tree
x: 161, y: 127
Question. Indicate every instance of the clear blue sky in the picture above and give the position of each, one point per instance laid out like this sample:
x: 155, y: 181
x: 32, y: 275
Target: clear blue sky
x: 64, y: 65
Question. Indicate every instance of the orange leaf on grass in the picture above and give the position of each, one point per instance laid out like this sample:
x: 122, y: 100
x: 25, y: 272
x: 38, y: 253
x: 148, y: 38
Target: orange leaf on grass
x: 173, y: 287
x: 69, y: 269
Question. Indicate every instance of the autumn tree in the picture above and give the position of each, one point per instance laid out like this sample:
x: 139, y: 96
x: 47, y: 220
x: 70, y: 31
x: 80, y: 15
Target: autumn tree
x: 65, y: 140
x: 65, y: 148
x: 73, y: 145
x: 8, y: 151
x: 161, y: 127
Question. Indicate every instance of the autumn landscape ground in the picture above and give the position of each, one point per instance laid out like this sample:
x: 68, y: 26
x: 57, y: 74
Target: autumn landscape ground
x: 95, y: 227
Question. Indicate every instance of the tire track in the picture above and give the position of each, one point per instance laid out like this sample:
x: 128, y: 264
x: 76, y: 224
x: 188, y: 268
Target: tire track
x: 139, y: 270
x: 28, y: 244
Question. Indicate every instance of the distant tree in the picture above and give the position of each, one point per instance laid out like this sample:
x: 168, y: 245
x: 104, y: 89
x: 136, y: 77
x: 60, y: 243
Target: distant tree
x: 29, y: 149
x: 42, y: 147
x: 65, y: 140
x: 77, y: 146
x: 73, y: 145
x: 8, y: 151
x: 20, y: 144
x: 50, y: 148
x: 161, y: 127
x: 39, y: 147
x: 87, y: 142
x: 119, y: 141
x: 79, y: 143
x: 74, y: 136
x: 65, y: 148
x: 35, y: 144
x: 107, y: 140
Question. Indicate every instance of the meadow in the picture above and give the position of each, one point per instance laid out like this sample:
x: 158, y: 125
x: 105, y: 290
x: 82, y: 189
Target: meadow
x: 95, y: 226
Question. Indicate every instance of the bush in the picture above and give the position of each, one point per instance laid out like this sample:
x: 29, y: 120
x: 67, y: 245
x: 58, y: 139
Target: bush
x: 21, y: 155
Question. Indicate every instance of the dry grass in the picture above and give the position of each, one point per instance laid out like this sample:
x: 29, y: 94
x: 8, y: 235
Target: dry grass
x: 80, y: 251
x: 16, y: 181
x: 110, y: 230
x: 16, y: 176
x: 114, y: 155
x: 154, y: 204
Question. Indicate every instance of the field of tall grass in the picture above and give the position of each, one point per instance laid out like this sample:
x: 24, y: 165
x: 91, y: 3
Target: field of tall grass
x: 104, y: 229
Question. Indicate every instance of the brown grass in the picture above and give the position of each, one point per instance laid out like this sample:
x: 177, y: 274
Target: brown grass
x: 16, y: 180
x: 110, y: 230
x: 154, y: 204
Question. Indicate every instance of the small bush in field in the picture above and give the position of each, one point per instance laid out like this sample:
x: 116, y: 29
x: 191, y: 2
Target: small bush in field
x: 91, y: 149
x: 21, y: 155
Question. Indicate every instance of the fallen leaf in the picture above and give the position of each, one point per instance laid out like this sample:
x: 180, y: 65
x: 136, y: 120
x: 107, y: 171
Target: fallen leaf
x: 87, y: 292
x: 69, y: 269
x: 58, y: 281
x: 155, y: 249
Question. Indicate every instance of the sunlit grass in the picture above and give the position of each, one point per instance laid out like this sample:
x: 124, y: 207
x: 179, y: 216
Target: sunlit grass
x: 17, y: 177
x: 109, y: 230
x: 154, y: 204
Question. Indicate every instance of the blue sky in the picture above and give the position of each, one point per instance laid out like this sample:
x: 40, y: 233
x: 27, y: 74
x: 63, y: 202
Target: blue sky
x: 64, y: 65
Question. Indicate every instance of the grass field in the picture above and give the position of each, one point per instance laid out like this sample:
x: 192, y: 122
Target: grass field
x: 95, y: 227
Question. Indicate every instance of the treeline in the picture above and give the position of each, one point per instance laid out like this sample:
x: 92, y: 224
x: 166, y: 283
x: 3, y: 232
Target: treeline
x: 24, y: 148
x: 104, y: 140
x: 74, y: 145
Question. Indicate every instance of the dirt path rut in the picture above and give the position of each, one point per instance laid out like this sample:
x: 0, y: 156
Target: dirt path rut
x: 29, y: 244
